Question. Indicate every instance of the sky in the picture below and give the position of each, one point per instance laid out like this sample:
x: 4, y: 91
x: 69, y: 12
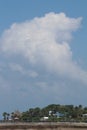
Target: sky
x: 42, y: 53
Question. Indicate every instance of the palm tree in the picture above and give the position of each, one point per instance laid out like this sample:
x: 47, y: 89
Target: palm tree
x: 12, y: 115
x: 4, y: 115
x: 8, y: 116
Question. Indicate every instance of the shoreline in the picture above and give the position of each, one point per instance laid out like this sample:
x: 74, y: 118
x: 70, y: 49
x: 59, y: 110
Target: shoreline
x: 41, y: 125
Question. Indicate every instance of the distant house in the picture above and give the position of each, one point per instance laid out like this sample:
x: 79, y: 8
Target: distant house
x: 84, y: 115
x: 50, y: 113
x: 58, y: 114
x: 45, y: 118
x: 16, y: 118
x: 10, y: 119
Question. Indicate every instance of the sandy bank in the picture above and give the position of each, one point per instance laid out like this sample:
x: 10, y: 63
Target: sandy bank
x: 43, y: 126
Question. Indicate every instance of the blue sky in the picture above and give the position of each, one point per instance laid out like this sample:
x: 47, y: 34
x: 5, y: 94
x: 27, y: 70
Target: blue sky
x: 42, y: 53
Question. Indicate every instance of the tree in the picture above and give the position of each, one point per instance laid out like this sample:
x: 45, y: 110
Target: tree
x: 8, y: 116
x: 5, y: 116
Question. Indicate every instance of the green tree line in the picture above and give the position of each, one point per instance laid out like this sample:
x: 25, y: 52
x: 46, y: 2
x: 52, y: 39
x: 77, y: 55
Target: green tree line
x: 54, y: 112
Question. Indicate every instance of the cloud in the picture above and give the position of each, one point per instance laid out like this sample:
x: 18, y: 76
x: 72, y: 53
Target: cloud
x: 19, y: 68
x: 45, y: 44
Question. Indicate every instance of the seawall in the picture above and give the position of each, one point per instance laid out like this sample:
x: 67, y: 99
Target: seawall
x: 43, y: 126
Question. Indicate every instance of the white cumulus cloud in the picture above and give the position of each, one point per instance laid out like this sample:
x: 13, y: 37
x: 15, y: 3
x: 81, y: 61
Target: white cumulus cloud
x: 45, y: 42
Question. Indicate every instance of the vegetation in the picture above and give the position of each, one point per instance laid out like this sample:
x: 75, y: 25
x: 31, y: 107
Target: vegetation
x: 53, y: 112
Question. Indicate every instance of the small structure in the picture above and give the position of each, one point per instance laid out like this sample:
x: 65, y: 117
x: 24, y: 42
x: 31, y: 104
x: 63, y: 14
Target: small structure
x: 50, y: 113
x: 45, y: 118
x: 58, y: 114
x: 84, y: 115
x: 16, y: 118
